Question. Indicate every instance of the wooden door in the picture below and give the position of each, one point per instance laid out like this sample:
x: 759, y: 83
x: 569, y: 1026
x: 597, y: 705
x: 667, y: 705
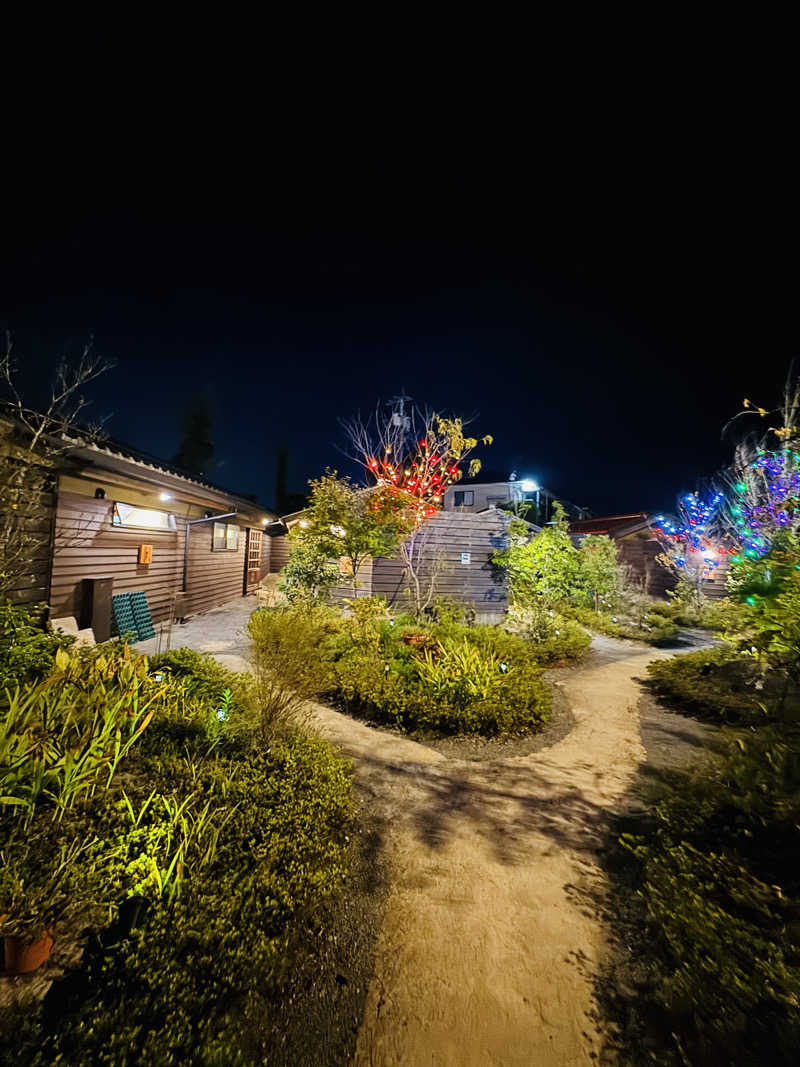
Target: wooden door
x: 252, y: 562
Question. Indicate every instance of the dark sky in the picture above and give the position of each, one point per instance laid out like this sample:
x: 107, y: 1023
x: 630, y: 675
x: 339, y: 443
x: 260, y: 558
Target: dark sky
x: 602, y: 318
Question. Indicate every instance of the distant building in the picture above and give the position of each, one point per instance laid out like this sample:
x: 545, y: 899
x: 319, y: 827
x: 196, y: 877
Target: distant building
x: 637, y: 547
x: 492, y: 489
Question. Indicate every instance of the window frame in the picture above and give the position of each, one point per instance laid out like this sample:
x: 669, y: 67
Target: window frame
x: 117, y: 523
x: 227, y: 547
x: 464, y: 503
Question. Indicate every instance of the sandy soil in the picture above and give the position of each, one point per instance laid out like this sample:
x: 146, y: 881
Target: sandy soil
x: 488, y: 948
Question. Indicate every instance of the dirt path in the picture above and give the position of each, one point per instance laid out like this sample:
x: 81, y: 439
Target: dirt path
x: 488, y: 946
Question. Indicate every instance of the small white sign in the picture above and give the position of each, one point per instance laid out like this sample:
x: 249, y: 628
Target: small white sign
x: 465, y: 558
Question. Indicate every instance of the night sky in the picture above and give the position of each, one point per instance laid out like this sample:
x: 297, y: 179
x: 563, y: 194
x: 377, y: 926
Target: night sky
x: 602, y: 323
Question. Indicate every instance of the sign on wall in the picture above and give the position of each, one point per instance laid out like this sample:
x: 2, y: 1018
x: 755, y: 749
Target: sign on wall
x: 465, y: 557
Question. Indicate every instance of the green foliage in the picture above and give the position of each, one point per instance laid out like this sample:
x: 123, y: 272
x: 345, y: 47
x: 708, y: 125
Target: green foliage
x: 721, y: 685
x: 289, y: 670
x: 27, y: 647
x: 718, y: 884
x: 600, y: 575
x: 768, y: 590
x: 198, y: 979
x: 645, y: 624
x: 347, y: 522
x: 546, y: 567
x: 211, y: 856
x: 64, y: 737
x: 553, y: 636
x: 442, y: 678
x: 309, y: 574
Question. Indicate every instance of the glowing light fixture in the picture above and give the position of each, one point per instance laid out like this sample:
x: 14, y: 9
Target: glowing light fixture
x: 165, y: 496
x: 529, y: 486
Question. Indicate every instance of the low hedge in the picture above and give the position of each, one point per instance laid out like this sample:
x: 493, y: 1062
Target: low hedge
x: 434, y: 678
x: 713, y: 684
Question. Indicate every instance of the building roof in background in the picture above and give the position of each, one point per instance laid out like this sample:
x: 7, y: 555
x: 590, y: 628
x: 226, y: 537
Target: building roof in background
x: 610, y: 524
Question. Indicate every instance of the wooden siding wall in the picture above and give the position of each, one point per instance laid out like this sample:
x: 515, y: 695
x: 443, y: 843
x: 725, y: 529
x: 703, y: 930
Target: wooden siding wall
x: 278, y: 552
x: 639, y: 552
x: 86, y: 545
x: 33, y: 587
x: 478, y: 583
x: 364, y: 585
x: 213, y: 577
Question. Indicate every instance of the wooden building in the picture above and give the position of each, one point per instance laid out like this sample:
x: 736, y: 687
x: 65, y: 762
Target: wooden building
x: 455, y: 551
x: 116, y: 513
x: 637, y: 547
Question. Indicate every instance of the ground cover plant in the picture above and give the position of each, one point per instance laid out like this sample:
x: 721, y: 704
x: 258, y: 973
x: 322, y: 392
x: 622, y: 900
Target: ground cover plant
x: 435, y: 676
x: 710, y: 895
x: 180, y: 842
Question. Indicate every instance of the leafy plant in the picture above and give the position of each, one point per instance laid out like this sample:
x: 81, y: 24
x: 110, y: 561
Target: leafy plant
x: 63, y: 737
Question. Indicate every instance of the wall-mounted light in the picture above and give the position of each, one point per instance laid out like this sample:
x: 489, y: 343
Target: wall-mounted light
x: 529, y: 485
x: 99, y: 494
x: 265, y: 522
x: 165, y: 496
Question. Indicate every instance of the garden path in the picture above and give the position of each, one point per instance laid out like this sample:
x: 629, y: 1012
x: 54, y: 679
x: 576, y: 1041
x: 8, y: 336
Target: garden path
x: 492, y: 936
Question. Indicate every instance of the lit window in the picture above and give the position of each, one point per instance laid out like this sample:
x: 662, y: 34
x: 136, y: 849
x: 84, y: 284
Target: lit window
x: 141, y: 518
x: 225, y: 537
x: 464, y: 498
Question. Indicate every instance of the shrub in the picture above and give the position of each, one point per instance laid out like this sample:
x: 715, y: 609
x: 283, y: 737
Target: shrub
x: 554, y: 638
x: 198, y: 980
x: 714, y: 684
x: 601, y: 576
x: 718, y: 884
x: 64, y: 737
x: 652, y: 627
x: 446, y: 679
x: 309, y: 575
x: 289, y: 669
x: 27, y: 647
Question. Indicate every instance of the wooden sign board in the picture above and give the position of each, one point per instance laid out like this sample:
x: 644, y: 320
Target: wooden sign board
x: 145, y: 553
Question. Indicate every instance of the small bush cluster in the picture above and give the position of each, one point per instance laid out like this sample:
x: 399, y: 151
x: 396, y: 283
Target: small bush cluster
x: 554, y: 637
x: 143, y: 808
x: 27, y: 646
x: 652, y: 625
x: 716, y: 684
x: 436, y: 677
x: 718, y: 894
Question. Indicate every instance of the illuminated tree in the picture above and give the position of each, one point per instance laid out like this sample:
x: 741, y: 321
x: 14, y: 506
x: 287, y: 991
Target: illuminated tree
x: 691, y: 545
x: 411, y: 452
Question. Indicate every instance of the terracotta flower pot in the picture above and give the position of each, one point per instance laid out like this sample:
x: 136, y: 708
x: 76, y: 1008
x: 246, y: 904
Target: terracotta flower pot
x: 22, y: 958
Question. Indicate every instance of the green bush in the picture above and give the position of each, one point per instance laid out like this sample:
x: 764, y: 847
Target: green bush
x: 714, y: 683
x: 27, y: 647
x: 654, y: 628
x: 443, y: 679
x: 198, y: 980
x: 199, y: 872
x: 554, y: 638
x: 718, y: 885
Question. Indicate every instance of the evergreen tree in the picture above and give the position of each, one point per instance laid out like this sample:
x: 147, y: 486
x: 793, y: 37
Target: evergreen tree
x: 197, y: 447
